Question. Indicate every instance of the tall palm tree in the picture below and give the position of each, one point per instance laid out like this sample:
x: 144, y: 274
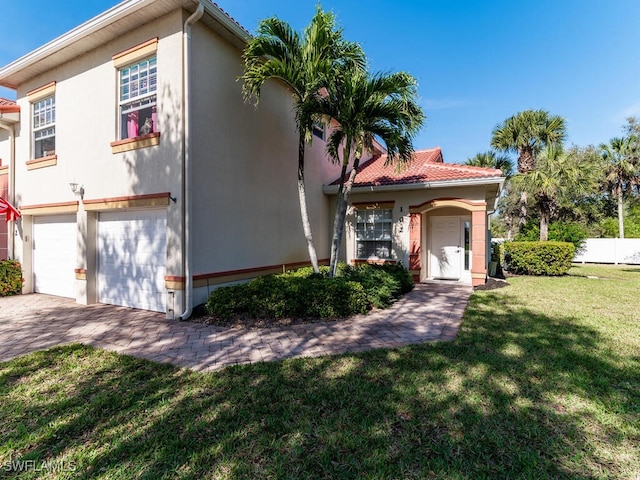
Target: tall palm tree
x: 492, y: 159
x: 367, y: 107
x: 526, y: 134
x: 305, y: 64
x: 557, y: 173
x: 622, y: 170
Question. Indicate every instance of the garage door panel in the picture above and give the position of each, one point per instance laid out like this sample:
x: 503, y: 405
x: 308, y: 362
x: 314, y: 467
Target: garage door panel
x: 54, y: 255
x: 131, y: 259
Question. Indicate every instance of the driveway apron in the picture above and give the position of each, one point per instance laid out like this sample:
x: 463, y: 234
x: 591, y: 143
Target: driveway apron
x: 431, y: 312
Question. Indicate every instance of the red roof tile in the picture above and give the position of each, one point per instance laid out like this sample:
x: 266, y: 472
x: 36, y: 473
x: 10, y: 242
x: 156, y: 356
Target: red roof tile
x: 8, y: 106
x: 427, y: 166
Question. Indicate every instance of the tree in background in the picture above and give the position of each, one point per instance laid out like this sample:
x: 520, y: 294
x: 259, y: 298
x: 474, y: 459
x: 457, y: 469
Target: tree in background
x: 492, y: 159
x: 367, y: 107
x: 305, y: 64
x: 622, y: 171
x: 558, y: 173
x: 526, y: 134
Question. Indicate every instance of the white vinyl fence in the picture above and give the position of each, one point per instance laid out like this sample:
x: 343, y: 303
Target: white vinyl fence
x: 610, y: 250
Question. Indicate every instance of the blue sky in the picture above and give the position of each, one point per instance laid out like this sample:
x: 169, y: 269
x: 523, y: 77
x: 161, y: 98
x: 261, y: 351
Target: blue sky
x: 477, y: 62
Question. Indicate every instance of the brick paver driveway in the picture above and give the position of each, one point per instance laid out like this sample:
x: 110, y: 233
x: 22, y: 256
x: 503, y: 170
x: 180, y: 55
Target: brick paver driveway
x: 430, y: 312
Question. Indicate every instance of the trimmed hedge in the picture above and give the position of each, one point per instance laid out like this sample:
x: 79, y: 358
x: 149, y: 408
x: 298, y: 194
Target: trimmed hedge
x: 10, y: 278
x: 304, y: 294
x: 539, y: 258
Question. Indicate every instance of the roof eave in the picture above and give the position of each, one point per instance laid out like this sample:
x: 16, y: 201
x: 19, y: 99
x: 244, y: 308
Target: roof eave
x: 232, y: 32
x: 333, y: 189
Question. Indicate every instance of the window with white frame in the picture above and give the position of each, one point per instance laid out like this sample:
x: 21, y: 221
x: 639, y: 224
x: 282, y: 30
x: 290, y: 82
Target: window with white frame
x: 374, y: 230
x: 137, y: 98
x: 44, y: 127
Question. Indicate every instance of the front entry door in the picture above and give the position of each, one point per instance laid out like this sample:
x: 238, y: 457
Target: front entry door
x: 446, y: 252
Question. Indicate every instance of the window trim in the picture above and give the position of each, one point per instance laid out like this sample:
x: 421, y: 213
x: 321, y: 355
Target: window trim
x: 34, y: 97
x: 129, y: 57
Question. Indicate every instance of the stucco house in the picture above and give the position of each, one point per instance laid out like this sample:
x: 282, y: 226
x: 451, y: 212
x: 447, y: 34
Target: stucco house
x: 143, y: 179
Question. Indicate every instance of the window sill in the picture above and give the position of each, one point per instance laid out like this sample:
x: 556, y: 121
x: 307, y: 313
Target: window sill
x: 42, y: 162
x: 143, y: 141
x: 374, y: 260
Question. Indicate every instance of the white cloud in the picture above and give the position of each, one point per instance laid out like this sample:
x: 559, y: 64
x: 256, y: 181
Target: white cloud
x: 630, y: 111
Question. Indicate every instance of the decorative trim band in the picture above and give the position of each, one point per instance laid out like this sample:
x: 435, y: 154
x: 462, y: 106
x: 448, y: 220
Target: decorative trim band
x: 372, y: 205
x: 81, y: 273
x: 143, y: 141
x: 449, y: 202
x: 36, y: 163
x: 133, y: 54
x: 212, y: 279
x: 4, y: 169
x: 41, y: 92
x: 50, y: 208
x: 115, y: 203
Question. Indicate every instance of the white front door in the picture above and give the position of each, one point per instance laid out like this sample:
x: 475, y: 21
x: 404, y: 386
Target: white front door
x: 446, y: 253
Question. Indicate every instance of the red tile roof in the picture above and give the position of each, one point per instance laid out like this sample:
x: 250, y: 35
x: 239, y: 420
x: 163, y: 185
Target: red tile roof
x: 8, y: 106
x: 427, y: 166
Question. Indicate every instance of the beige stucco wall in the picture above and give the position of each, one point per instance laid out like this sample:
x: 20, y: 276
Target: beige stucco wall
x: 245, y: 198
x: 5, y: 147
x: 86, y: 95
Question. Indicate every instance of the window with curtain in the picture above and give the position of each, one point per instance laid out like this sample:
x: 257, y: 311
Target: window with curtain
x: 374, y: 229
x: 138, y: 84
x: 44, y: 127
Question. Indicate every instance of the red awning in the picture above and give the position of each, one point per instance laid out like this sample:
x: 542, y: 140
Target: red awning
x: 9, y: 210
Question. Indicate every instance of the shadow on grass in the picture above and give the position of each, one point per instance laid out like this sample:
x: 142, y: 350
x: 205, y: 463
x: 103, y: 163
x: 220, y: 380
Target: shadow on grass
x: 517, y: 395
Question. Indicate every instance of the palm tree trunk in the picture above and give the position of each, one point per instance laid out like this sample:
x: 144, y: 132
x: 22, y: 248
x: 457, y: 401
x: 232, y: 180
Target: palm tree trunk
x: 341, y: 215
x: 545, y: 215
x: 522, y: 215
x: 335, y: 239
x: 304, y: 213
x: 620, y: 211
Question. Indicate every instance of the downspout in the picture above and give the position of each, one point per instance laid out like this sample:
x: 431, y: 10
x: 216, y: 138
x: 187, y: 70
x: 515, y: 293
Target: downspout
x: 186, y: 154
x: 11, y: 185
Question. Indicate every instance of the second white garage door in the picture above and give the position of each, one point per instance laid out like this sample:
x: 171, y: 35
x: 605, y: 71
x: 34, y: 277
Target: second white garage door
x: 132, y: 250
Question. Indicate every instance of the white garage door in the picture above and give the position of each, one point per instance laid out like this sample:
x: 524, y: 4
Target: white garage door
x: 132, y: 250
x: 54, y: 255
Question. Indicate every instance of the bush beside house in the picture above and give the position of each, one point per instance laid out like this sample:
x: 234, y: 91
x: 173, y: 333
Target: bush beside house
x: 539, y: 258
x: 10, y: 278
x: 304, y: 294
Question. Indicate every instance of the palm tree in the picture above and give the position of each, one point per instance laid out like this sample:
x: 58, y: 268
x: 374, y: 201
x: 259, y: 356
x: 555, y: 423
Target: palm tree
x: 367, y: 107
x: 492, y: 159
x: 526, y: 134
x: 622, y: 170
x: 305, y: 64
x: 557, y: 173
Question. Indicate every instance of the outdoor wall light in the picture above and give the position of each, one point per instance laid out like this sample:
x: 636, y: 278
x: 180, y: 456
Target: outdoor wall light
x: 77, y: 189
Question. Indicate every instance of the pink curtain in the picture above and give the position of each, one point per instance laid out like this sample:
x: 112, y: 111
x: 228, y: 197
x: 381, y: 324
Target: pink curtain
x: 132, y: 125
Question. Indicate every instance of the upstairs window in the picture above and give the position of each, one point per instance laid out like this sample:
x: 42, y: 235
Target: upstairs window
x: 44, y: 127
x: 374, y: 229
x: 318, y: 130
x: 137, y: 99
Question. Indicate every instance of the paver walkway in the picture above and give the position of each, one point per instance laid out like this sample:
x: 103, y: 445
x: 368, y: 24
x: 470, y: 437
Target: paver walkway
x: 430, y: 312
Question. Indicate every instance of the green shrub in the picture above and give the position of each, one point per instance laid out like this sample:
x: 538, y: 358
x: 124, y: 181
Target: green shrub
x: 539, y: 258
x: 10, y: 278
x: 304, y: 294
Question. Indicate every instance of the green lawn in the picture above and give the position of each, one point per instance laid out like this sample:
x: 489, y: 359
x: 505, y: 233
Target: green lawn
x: 543, y: 382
